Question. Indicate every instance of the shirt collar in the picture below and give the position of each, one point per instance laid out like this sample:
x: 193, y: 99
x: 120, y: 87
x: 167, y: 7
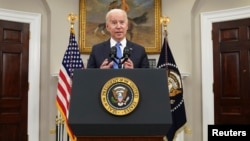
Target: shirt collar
x: 123, y: 42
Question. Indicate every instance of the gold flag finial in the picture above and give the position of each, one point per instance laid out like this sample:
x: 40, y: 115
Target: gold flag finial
x: 72, y: 18
x: 164, y: 21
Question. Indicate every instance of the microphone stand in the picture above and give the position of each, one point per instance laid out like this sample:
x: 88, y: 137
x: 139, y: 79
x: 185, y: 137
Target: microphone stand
x: 120, y: 63
x: 124, y: 60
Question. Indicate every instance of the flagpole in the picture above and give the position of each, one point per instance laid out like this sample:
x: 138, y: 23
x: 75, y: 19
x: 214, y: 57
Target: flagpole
x: 164, y: 21
x: 57, y: 128
x: 71, y: 18
x: 71, y: 60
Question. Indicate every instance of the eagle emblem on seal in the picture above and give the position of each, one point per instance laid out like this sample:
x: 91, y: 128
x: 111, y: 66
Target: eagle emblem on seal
x: 174, y: 84
x: 120, y: 95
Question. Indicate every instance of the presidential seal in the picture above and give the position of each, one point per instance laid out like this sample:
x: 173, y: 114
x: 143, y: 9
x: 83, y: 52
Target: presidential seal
x: 174, y: 83
x: 120, y: 96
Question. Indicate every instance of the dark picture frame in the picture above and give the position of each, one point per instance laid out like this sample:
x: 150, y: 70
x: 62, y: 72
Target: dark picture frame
x: 145, y: 27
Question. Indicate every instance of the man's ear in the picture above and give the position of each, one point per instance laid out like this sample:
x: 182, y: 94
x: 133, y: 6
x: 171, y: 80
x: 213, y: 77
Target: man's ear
x: 107, y: 28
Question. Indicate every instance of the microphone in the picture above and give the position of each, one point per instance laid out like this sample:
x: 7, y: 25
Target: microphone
x: 126, y: 54
x: 112, y: 53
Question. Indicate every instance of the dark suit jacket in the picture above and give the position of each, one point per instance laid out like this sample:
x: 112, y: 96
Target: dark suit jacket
x: 101, y: 51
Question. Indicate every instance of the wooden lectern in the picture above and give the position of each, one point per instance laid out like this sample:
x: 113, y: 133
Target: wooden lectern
x: 149, y: 119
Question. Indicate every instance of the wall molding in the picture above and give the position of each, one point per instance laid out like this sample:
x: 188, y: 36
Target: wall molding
x: 34, y: 19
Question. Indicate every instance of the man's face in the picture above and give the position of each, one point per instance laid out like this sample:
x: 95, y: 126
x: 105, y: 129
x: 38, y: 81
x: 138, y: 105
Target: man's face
x: 117, y: 25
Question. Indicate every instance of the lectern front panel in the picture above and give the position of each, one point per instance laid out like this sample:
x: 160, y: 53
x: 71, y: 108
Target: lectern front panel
x: 151, y: 117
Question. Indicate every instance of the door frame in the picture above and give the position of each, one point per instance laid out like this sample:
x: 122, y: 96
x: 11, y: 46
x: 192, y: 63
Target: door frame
x: 34, y: 19
x: 206, y: 21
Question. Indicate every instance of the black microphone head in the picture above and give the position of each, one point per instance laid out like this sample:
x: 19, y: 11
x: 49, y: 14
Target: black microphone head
x: 126, y: 52
x: 112, y: 52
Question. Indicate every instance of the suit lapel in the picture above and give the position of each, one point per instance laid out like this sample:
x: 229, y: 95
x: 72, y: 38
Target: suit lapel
x: 106, y: 49
x: 131, y: 47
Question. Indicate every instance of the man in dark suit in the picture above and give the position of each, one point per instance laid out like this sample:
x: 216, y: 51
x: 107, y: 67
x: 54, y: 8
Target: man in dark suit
x: 117, y: 26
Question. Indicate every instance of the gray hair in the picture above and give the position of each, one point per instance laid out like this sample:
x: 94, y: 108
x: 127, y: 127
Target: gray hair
x: 114, y: 11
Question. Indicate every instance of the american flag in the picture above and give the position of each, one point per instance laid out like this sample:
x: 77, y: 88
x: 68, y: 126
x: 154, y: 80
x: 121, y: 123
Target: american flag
x: 166, y: 61
x: 71, y: 61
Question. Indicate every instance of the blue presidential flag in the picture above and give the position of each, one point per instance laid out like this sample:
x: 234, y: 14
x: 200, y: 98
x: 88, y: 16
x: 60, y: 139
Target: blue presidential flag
x: 166, y: 61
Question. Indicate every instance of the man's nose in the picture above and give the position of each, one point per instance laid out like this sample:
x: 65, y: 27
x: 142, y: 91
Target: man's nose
x: 119, y: 25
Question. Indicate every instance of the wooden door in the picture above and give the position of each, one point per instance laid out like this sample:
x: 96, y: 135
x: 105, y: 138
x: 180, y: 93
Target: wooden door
x: 14, y: 53
x: 231, y: 54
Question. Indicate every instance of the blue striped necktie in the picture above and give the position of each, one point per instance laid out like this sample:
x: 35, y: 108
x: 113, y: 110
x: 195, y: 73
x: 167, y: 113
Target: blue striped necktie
x: 118, y: 54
